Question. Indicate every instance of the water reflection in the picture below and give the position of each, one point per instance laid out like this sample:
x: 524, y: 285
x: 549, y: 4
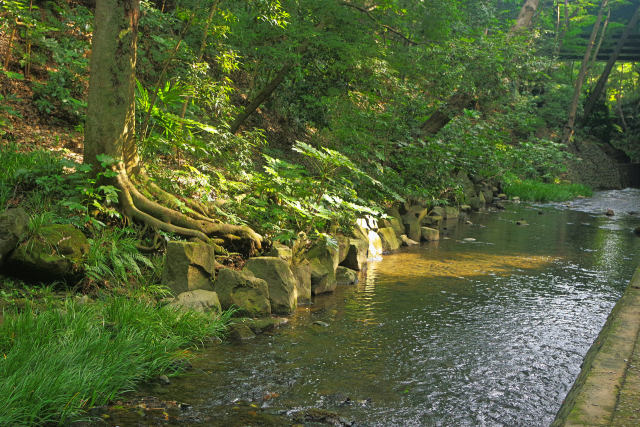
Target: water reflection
x: 418, y: 264
x: 485, y: 333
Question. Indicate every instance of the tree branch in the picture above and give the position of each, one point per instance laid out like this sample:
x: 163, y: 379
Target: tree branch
x: 385, y: 26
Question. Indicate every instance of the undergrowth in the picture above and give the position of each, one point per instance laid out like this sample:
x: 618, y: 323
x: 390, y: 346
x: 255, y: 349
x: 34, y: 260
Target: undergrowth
x: 545, y: 192
x: 60, y: 361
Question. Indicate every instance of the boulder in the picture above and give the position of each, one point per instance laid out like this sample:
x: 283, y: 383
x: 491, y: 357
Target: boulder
x: 323, y: 260
x: 451, y: 212
x: 430, y: 234
x: 188, y: 266
x: 477, y: 202
x: 356, y: 255
x: 198, y: 300
x: 389, y: 239
x: 395, y: 224
x: 281, y: 251
x: 302, y: 273
x: 264, y: 324
x: 465, y: 208
x: 412, y: 227
x: 412, y: 220
x: 488, y: 195
x: 13, y: 227
x: 54, y: 252
x: 434, y: 220
x: 281, y: 281
x: 467, y: 185
x: 346, y: 276
x: 343, y: 247
x: 438, y: 211
x: 407, y: 241
x: 244, y: 291
x: 240, y: 332
x: 486, y: 189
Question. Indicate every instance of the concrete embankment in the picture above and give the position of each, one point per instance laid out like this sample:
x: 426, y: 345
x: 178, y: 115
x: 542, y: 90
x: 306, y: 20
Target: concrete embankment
x: 607, y: 389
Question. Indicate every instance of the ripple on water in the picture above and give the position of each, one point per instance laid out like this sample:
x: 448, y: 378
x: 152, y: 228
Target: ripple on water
x: 447, y: 334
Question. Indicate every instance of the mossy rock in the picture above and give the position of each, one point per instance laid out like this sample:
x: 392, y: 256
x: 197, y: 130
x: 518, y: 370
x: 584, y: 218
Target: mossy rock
x: 346, y: 276
x: 281, y: 251
x: 430, y: 234
x: 13, y: 227
x: 264, y: 324
x: 188, y: 266
x: 55, y: 252
x: 240, y: 332
x: 323, y: 260
x: 249, y: 294
x: 389, y: 239
x: 302, y: 273
x: 280, y: 280
x: 198, y: 300
x: 356, y: 255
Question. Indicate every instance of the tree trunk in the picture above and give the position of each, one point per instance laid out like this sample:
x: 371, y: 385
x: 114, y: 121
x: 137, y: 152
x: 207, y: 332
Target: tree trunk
x: 527, y: 12
x: 458, y: 102
x: 594, y: 57
x: 565, y: 28
x: 261, y: 97
x: 441, y: 117
x: 573, y: 107
x: 110, y: 123
x: 602, y: 81
x: 203, y: 46
x: 110, y: 130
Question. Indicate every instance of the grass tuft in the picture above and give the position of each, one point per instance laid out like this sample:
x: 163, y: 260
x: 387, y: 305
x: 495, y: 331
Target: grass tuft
x: 56, y: 363
x: 535, y: 191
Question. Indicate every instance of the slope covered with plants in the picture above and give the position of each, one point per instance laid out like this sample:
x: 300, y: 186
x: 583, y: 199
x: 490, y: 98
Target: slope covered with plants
x: 245, y: 123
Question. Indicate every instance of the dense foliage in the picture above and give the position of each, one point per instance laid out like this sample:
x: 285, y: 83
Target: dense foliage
x: 226, y: 89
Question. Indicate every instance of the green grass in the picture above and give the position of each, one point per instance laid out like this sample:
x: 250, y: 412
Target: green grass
x: 544, y: 192
x: 22, y: 172
x: 58, y: 362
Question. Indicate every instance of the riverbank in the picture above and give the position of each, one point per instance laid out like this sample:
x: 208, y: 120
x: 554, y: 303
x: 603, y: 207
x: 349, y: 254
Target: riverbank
x: 488, y: 325
x: 63, y: 358
x: 608, y: 388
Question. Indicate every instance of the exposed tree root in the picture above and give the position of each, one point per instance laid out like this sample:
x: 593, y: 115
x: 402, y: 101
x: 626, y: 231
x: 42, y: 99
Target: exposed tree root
x: 165, y: 215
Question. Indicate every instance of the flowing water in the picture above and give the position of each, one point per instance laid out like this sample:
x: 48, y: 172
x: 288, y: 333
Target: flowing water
x: 458, y: 332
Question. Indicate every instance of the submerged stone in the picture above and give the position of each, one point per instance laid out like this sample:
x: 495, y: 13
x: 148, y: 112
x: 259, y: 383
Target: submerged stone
x: 407, y: 241
x: 264, y: 324
x: 430, y: 234
x: 346, y: 276
x: 240, y: 332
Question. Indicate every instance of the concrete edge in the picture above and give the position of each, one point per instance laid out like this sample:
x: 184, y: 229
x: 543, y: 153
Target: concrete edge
x: 593, y: 397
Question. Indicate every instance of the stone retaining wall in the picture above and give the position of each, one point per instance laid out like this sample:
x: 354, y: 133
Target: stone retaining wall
x: 593, y: 398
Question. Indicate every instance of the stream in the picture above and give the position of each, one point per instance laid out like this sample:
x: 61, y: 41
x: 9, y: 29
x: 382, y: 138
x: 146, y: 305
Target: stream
x: 490, y: 331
